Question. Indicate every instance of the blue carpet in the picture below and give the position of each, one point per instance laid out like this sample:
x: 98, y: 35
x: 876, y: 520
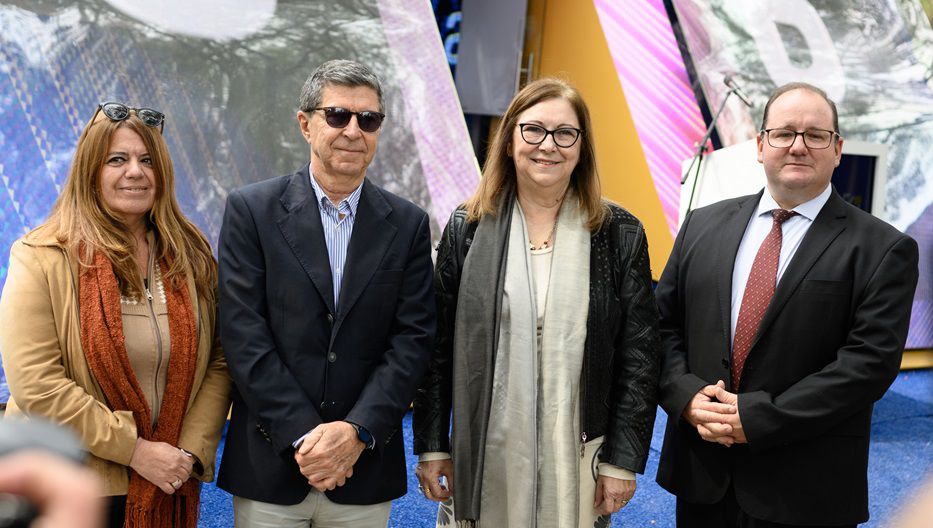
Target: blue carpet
x: 901, y: 454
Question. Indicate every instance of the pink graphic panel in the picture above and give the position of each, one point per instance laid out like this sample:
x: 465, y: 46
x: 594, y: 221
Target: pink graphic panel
x: 436, y: 118
x: 657, y: 88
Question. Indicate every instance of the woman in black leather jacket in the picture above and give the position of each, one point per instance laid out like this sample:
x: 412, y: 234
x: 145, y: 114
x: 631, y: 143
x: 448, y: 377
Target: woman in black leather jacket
x: 547, y: 349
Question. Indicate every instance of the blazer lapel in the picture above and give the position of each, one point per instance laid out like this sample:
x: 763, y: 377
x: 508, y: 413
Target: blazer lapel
x: 304, y: 233
x: 730, y: 237
x: 372, y: 234
x: 826, y: 227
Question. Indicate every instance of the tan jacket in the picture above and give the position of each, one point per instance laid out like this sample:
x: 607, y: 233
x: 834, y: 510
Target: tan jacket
x: 48, y: 374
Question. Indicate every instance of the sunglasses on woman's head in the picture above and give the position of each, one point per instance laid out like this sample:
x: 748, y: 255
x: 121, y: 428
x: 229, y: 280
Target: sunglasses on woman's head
x: 337, y: 117
x: 119, y: 112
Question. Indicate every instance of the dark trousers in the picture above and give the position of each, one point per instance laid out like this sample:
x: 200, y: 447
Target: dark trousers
x: 116, y: 511
x: 726, y: 514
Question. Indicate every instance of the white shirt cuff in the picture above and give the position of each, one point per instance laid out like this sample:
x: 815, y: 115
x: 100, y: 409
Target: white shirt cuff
x: 609, y: 470
x: 433, y: 455
x: 297, y: 443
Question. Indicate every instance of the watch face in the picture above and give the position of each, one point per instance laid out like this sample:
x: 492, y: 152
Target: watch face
x: 364, y: 436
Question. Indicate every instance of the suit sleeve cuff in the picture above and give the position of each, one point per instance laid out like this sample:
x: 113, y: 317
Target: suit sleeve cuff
x: 678, y: 395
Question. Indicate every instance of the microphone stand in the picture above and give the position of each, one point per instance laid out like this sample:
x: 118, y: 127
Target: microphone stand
x: 701, y: 149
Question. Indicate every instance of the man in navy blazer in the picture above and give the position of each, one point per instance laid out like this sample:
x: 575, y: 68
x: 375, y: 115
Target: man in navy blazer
x: 769, y: 389
x: 327, y: 319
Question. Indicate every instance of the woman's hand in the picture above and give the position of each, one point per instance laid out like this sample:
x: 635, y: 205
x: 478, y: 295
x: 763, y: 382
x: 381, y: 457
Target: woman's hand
x: 612, y: 494
x: 429, y: 475
x: 162, y: 464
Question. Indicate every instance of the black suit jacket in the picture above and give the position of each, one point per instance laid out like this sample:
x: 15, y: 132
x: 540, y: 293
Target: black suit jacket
x: 829, y: 346
x: 297, y: 360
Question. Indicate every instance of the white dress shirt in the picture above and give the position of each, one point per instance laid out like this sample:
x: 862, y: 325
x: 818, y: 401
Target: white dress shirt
x: 792, y: 233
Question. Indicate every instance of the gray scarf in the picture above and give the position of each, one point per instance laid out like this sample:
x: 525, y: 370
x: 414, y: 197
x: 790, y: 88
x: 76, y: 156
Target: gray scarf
x: 476, y: 336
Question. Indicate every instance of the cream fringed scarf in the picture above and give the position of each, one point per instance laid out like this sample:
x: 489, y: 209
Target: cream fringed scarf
x: 526, y: 474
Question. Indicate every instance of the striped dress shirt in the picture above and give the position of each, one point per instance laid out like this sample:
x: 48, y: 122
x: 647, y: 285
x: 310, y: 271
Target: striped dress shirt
x: 338, y: 227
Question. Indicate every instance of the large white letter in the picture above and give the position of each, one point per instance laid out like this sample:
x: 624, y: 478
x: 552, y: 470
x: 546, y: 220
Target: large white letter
x: 763, y: 20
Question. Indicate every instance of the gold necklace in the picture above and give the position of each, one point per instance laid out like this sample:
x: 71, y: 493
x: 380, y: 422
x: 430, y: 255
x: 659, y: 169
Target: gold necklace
x: 547, y: 241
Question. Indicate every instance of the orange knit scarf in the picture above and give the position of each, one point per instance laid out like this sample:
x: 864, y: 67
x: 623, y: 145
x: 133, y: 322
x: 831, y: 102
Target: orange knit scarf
x: 102, y: 338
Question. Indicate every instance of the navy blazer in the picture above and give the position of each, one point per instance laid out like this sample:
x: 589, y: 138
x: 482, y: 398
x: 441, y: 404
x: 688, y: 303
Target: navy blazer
x: 829, y: 346
x: 297, y: 360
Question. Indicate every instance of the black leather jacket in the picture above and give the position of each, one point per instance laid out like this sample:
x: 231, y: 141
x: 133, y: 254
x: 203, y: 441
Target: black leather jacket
x: 621, y: 360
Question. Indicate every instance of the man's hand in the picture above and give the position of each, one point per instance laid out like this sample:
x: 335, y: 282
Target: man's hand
x: 429, y: 475
x: 711, y: 417
x: 734, y: 420
x: 612, y: 494
x: 327, y: 455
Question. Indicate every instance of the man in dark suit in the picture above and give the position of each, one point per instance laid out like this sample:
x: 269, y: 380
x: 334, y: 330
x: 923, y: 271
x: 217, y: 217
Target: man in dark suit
x: 783, y: 316
x: 327, y: 319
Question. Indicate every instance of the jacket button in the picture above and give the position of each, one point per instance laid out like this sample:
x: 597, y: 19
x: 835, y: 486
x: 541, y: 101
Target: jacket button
x: 330, y: 318
x: 725, y: 363
x: 331, y: 357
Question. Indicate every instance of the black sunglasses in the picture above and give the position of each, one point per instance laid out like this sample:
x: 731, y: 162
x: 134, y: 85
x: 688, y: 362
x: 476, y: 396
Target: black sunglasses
x: 337, y: 117
x: 119, y: 112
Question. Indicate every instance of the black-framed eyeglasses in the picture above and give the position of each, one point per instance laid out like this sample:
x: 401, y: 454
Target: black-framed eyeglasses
x: 563, y: 137
x: 813, y: 138
x: 119, y: 112
x: 337, y: 117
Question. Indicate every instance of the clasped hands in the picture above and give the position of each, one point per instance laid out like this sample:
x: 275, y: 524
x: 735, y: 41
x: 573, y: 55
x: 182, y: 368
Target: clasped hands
x: 162, y: 464
x: 327, y: 454
x: 714, y: 412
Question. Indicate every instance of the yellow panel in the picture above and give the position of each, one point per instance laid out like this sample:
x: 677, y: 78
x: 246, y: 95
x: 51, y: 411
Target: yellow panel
x: 574, y: 48
x: 917, y: 359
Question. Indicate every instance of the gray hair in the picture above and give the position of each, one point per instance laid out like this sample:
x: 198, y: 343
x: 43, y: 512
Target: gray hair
x: 342, y: 73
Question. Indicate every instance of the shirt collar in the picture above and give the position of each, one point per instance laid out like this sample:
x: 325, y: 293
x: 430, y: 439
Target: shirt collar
x: 353, y: 200
x: 808, y: 210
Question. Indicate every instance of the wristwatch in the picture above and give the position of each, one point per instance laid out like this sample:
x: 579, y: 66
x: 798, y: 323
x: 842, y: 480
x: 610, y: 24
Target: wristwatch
x: 364, y: 436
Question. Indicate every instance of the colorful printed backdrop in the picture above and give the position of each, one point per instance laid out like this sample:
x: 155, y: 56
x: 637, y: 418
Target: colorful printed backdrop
x: 228, y: 82
x: 873, y: 58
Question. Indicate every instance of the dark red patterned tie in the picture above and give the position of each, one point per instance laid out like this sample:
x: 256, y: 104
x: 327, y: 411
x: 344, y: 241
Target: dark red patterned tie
x: 758, y: 293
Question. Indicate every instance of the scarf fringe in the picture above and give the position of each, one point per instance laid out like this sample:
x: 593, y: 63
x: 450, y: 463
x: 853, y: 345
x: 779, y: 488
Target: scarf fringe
x: 183, y: 506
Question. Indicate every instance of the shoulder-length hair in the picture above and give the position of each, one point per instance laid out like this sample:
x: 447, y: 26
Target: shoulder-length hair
x: 83, y: 223
x: 499, y: 176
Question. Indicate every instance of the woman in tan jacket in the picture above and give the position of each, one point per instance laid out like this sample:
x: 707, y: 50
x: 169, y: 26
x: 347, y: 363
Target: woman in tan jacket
x: 107, y: 323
